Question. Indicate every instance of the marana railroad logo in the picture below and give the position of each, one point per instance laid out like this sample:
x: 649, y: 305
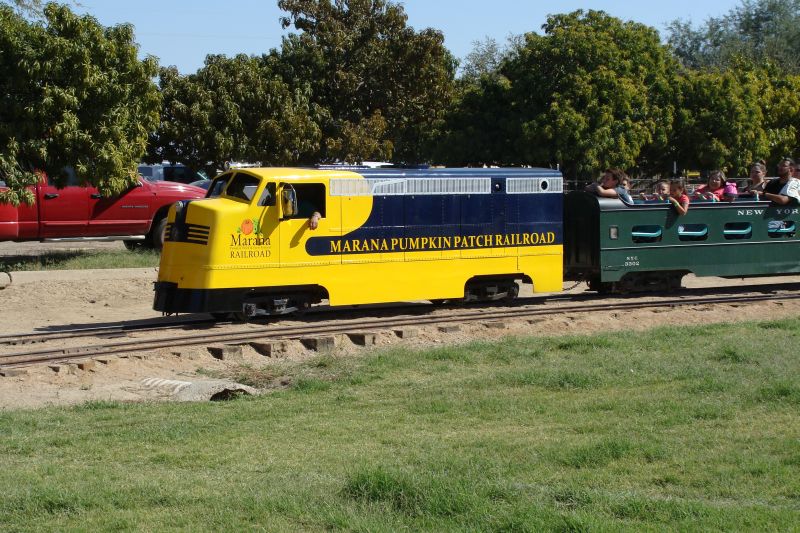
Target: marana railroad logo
x: 248, y: 243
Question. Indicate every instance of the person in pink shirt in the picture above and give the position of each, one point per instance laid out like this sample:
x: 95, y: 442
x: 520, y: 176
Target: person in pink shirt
x: 718, y: 188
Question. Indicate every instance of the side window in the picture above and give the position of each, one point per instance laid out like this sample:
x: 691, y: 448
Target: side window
x: 737, y: 230
x: 71, y: 178
x: 781, y: 228
x: 649, y: 233
x: 268, y: 196
x: 693, y: 232
x: 310, y: 198
x: 242, y: 186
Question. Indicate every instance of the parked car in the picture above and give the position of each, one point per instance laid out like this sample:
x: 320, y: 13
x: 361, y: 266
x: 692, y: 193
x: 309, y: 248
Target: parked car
x: 179, y: 173
x: 203, y: 184
x: 75, y: 212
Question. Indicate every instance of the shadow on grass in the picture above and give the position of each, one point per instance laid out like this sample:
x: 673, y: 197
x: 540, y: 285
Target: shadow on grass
x: 45, y: 261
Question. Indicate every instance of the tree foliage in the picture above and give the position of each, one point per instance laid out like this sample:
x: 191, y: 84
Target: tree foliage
x: 379, y: 84
x: 720, y: 123
x: 233, y: 109
x: 591, y: 92
x: 73, y: 93
x: 758, y: 31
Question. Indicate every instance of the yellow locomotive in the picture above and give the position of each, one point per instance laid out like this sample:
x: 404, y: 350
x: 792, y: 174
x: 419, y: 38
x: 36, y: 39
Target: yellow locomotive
x: 277, y: 240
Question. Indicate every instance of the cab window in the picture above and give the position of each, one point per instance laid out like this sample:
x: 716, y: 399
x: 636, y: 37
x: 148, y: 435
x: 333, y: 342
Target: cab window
x: 310, y: 199
x: 216, y: 188
x: 267, y: 195
x: 242, y: 186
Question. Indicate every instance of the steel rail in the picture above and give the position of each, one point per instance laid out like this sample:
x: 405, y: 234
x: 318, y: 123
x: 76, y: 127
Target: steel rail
x: 319, y: 313
x: 96, y: 331
x: 355, y: 326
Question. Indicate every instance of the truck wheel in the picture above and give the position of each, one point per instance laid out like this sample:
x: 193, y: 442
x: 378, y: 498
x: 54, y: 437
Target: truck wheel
x: 133, y: 245
x: 158, y: 233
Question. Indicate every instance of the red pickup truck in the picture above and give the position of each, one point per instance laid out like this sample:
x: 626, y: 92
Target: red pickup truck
x: 137, y: 216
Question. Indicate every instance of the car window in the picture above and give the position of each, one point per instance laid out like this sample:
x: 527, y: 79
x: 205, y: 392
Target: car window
x: 151, y: 172
x: 71, y: 181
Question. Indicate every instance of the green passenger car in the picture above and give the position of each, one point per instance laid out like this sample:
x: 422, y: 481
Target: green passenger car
x: 647, y: 246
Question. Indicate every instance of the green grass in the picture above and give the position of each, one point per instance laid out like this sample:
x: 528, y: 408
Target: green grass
x: 80, y: 260
x: 667, y: 429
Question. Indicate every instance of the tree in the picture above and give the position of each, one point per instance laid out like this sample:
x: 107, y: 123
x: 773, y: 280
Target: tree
x: 592, y: 92
x: 758, y: 30
x: 720, y: 124
x: 483, y: 59
x: 233, y: 109
x: 732, y: 117
x: 72, y: 93
x: 480, y: 127
x: 30, y: 7
x: 379, y: 84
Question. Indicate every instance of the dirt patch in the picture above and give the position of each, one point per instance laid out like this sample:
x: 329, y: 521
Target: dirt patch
x: 59, y: 299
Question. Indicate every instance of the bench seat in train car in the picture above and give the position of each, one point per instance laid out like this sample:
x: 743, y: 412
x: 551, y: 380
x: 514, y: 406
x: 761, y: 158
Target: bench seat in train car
x: 612, y: 244
x: 383, y: 236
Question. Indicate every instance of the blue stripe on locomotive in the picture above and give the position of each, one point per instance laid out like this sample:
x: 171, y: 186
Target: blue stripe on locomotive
x: 451, y: 215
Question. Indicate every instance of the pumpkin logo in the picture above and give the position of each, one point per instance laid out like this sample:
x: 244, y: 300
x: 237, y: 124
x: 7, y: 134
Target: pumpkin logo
x: 249, y: 226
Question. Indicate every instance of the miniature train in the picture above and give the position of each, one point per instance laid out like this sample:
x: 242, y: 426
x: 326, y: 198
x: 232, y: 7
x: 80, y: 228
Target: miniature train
x: 389, y: 235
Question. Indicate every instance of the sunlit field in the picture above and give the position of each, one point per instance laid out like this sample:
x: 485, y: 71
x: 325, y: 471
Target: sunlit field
x: 688, y: 428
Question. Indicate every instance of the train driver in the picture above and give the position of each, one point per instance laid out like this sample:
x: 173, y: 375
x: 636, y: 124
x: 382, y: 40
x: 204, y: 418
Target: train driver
x: 307, y: 208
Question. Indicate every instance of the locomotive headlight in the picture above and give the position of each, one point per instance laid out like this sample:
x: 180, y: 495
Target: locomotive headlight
x: 544, y: 185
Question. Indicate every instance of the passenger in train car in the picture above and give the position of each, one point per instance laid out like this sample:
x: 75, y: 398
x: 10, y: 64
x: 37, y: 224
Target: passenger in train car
x: 611, y: 185
x: 786, y: 189
x: 757, y: 180
x: 660, y: 191
x: 718, y: 188
x: 678, y: 197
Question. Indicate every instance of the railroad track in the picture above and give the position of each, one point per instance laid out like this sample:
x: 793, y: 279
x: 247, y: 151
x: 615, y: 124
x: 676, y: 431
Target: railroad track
x: 360, y: 325
x: 322, y: 313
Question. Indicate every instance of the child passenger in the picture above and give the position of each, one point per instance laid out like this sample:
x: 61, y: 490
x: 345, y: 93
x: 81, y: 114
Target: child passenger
x: 678, y: 197
x: 660, y: 191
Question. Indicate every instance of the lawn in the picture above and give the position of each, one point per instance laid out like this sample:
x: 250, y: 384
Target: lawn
x: 80, y: 260
x: 691, y: 428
